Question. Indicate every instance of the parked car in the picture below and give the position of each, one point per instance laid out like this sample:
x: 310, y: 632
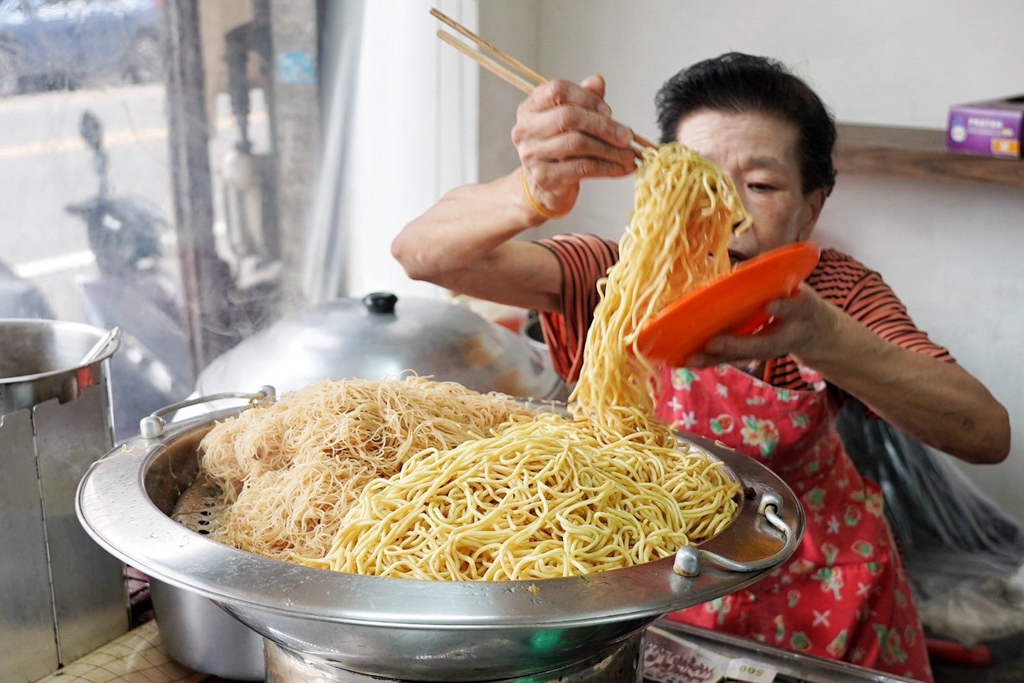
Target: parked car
x: 67, y: 43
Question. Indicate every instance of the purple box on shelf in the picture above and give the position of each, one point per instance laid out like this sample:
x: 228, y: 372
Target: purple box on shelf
x: 991, y: 128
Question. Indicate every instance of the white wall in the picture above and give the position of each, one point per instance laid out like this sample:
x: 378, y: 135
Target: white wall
x: 873, y: 61
x: 950, y: 250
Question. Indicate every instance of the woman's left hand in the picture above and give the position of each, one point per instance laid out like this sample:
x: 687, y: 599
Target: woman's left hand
x: 804, y: 325
x: 932, y: 400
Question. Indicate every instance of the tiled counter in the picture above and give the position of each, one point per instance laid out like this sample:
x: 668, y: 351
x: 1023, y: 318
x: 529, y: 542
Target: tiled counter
x: 135, y: 657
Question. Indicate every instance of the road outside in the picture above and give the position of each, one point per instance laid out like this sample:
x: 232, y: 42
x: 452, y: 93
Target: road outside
x: 45, y: 165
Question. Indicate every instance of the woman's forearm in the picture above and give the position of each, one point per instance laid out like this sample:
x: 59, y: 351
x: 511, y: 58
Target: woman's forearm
x: 463, y: 228
x: 465, y: 243
x: 936, y: 402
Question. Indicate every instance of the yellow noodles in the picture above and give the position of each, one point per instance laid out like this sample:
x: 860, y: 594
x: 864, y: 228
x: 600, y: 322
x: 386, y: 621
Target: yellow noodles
x: 552, y: 497
x: 685, y: 210
x: 290, y: 471
x: 538, y: 500
x: 441, y: 491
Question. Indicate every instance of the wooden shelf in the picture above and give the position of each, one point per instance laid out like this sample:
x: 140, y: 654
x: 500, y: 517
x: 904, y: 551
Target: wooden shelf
x: 918, y: 153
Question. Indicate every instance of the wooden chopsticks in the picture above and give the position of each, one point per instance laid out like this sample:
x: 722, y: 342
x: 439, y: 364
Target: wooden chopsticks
x: 503, y: 65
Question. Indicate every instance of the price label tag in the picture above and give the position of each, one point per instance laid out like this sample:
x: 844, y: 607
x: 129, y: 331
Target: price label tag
x: 750, y: 671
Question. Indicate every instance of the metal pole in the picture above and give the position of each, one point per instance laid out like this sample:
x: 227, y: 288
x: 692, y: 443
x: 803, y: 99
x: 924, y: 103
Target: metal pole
x: 296, y: 122
x: 206, y: 278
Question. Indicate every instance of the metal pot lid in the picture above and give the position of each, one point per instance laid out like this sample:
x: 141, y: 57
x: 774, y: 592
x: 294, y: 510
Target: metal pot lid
x: 382, y: 336
x: 401, y: 627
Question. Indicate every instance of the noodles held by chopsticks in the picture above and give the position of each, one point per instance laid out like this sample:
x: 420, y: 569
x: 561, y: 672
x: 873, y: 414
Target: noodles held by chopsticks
x: 685, y: 210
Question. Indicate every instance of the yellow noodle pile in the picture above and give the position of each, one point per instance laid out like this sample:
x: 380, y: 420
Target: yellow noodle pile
x: 538, y: 500
x: 611, y: 488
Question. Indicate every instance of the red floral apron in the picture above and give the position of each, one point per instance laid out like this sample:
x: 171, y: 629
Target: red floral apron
x: 844, y: 593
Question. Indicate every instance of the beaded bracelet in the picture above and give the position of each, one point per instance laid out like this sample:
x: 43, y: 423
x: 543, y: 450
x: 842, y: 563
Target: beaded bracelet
x: 541, y: 210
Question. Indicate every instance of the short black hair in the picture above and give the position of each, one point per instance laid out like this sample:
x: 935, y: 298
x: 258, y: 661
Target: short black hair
x: 737, y: 82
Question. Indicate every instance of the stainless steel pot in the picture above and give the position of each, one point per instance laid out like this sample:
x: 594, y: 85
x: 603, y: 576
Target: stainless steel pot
x: 420, y: 630
x: 61, y: 596
x: 196, y: 632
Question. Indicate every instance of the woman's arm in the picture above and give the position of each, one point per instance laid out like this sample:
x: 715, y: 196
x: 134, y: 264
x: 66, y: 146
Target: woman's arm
x: 464, y: 243
x: 936, y: 402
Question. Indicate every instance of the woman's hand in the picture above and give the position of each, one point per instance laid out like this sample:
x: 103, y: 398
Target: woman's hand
x: 934, y: 401
x: 805, y: 325
x: 564, y: 133
x: 465, y: 242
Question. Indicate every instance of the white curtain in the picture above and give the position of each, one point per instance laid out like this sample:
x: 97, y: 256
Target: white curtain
x: 323, y: 268
x: 400, y: 129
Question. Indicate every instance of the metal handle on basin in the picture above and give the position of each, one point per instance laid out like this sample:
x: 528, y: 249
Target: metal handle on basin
x: 112, y: 335
x: 152, y: 427
x: 688, y: 558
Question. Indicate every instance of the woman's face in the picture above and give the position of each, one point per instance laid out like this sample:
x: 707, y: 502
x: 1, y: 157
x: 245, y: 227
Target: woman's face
x: 759, y: 153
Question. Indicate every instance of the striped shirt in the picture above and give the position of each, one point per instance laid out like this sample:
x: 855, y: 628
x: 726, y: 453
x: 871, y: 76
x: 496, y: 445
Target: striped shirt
x: 838, y: 278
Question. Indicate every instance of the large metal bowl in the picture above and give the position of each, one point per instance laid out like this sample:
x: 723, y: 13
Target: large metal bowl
x: 410, y: 629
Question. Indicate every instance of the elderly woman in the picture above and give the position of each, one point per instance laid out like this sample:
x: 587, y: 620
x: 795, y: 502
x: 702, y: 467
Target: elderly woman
x: 773, y: 396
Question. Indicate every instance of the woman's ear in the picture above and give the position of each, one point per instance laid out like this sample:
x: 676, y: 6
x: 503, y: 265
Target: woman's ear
x: 813, y: 204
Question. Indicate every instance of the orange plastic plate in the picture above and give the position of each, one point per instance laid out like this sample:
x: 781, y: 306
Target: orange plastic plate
x: 733, y: 304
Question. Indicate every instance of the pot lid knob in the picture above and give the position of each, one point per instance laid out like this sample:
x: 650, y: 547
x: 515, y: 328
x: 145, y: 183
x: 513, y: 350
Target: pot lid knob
x: 380, y: 302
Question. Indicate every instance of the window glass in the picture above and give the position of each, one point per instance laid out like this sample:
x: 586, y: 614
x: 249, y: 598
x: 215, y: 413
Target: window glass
x: 92, y: 192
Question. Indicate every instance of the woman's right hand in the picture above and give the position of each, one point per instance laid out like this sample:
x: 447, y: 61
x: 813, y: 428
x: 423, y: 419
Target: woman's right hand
x: 564, y: 133
x: 465, y: 242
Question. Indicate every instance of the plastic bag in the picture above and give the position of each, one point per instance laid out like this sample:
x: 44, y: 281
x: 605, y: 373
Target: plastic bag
x: 964, y: 556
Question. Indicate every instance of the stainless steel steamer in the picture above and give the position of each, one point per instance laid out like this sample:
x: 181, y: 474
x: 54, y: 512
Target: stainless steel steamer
x: 374, y: 337
x: 360, y: 627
